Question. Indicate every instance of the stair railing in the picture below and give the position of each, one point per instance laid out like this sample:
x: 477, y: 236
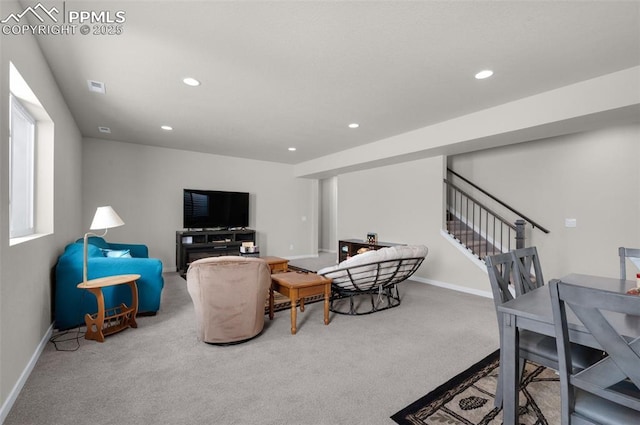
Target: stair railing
x: 479, y: 228
x: 513, y: 210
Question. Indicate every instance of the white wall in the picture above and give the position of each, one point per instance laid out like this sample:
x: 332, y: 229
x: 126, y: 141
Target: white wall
x: 328, y: 214
x: 25, y: 269
x: 593, y: 177
x: 144, y: 185
x: 403, y: 204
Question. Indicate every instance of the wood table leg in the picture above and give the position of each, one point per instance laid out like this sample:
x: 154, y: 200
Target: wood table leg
x: 134, y: 303
x: 94, y: 326
x: 509, y: 359
x: 327, y: 295
x: 293, y: 295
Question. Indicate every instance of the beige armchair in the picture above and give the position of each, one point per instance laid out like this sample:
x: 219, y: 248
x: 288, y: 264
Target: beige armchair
x: 229, y: 296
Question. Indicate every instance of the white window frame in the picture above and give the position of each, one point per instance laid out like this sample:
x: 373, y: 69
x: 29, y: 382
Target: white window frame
x: 22, y: 170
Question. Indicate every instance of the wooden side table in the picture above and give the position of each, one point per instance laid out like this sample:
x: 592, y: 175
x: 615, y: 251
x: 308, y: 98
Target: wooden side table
x: 117, y: 318
x: 277, y: 264
x: 296, y: 286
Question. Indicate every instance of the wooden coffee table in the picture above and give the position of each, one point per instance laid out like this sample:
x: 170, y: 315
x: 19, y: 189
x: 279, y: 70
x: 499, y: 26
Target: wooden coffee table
x: 296, y: 286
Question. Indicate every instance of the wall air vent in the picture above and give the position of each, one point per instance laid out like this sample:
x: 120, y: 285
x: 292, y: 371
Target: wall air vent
x: 104, y: 130
x: 96, y: 86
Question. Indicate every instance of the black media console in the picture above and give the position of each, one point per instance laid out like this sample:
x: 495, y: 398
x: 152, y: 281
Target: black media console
x: 192, y: 245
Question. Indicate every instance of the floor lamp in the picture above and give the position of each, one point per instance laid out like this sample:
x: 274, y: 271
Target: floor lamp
x: 105, y: 218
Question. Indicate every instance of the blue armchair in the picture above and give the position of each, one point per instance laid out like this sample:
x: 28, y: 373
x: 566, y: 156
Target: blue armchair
x: 71, y: 303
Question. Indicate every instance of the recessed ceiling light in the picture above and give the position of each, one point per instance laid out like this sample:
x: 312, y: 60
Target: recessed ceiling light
x: 167, y: 127
x: 354, y: 125
x: 191, y: 82
x: 104, y: 130
x: 484, y: 74
x: 292, y: 149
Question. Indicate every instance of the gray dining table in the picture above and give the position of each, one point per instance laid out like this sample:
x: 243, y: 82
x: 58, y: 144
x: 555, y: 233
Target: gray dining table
x: 532, y: 311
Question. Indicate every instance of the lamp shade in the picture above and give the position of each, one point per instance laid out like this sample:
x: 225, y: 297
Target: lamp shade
x: 106, y: 218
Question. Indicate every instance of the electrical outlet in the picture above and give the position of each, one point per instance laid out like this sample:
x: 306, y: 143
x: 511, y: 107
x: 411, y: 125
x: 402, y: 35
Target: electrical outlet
x: 291, y: 247
x: 570, y: 222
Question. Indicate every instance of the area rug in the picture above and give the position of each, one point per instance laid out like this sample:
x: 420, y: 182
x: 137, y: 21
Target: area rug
x: 281, y: 302
x: 468, y: 398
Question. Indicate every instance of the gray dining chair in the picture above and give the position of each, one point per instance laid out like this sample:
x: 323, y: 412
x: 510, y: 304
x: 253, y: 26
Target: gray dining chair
x: 609, y: 390
x: 625, y: 253
x: 535, y: 347
x: 527, y: 270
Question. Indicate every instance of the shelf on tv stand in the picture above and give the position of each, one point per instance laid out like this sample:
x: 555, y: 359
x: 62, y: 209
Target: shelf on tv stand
x: 192, y: 245
x: 215, y: 229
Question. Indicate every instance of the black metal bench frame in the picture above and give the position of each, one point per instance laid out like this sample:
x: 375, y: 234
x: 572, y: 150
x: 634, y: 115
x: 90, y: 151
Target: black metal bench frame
x: 378, y: 280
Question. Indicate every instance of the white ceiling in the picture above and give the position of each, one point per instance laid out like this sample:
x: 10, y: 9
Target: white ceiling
x: 277, y: 74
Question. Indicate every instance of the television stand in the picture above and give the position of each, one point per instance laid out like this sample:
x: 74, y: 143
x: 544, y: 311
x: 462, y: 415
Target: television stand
x: 191, y: 245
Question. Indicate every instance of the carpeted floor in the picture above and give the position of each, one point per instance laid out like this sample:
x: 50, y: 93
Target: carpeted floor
x: 468, y: 398
x: 357, y: 370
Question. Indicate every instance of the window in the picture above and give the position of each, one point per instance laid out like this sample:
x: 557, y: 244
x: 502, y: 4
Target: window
x: 31, y: 176
x: 22, y: 155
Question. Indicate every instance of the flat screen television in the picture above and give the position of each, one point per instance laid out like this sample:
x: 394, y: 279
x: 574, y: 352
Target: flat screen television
x: 206, y: 209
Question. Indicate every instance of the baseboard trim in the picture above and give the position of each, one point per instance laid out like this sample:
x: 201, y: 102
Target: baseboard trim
x: 15, y: 391
x: 467, y: 253
x: 478, y: 292
x: 300, y: 257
